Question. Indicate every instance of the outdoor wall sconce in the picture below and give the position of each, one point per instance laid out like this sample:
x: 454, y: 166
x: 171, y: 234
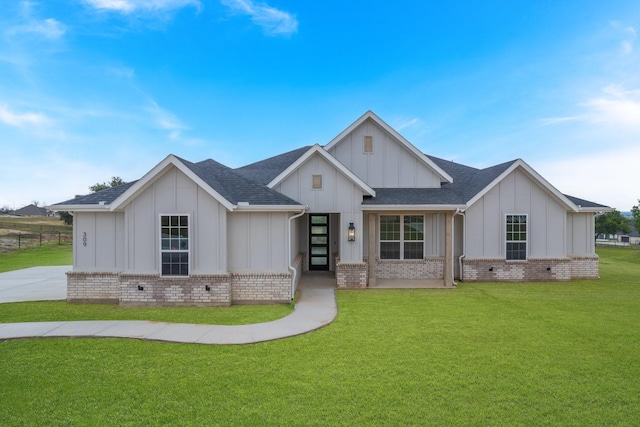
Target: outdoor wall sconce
x: 207, y: 288
x: 490, y: 268
x: 351, y: 233
x: 140, y: 288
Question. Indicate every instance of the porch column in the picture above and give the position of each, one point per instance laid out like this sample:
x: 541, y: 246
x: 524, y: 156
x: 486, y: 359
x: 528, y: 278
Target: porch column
x: 448, y: 249
x: 372, y: 250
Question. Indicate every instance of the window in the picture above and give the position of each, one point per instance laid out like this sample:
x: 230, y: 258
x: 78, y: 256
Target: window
x: 516, y: 237
x: 405, y: 244
x: 368, y: 144
x: 174, y: 252
x: 316, y: 182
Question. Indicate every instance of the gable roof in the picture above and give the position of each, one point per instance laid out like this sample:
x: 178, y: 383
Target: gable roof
x: 468, y: 182
x: 221, y: 182
x: 370, y: 115
x: 318, y: 150
x: 251, y: 187
x: 32, y: 210
x: 100, y: 199
x: 521, y: 164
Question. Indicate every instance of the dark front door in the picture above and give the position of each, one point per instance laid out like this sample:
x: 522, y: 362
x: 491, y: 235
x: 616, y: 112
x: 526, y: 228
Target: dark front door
x: 319, y: 242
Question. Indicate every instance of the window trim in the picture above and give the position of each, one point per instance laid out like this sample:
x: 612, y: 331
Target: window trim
x: 313, y: 181
x: 525, y: 241
x: 187, y: 251
x: 402, y: 240
x: 364, y: 144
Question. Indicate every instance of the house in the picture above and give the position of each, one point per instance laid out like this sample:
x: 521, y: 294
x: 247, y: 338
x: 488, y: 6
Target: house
x: 33, y: 210
x: 367, y: 206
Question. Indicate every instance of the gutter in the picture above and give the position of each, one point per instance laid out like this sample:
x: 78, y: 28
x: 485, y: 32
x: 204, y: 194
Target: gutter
x: 464, y: 242
x: 291, y: 267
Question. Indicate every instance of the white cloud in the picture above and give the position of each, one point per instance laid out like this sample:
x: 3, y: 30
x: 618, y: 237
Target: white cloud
x: 130, y: 6
x: 48, y: 28
x: 272, y: 20
x: 605, y: 177
x: 614, y: 106
x: 405, y: 123
x: 22, y: 119
x: 628, y: 35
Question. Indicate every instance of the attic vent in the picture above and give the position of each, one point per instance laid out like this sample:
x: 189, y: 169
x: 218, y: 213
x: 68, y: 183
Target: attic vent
x: 316, y: 182
x: 368, y: 144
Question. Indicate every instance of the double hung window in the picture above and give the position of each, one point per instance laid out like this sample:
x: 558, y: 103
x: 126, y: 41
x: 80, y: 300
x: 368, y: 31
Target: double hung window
x: 516, y: 237
x: 401, y: 236
x: 174, y: 249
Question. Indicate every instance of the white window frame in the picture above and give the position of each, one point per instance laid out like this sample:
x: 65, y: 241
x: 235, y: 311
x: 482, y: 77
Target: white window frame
x: 162, y: 251
x: 402, y: 241
x: 525, y: 241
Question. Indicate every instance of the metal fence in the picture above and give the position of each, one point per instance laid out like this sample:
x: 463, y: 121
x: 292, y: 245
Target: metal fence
x: 14, y: 241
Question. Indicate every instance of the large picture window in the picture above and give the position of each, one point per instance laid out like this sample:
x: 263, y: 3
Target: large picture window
x: 401, y: 236
x: 174, y: 249
x: 516, y: 237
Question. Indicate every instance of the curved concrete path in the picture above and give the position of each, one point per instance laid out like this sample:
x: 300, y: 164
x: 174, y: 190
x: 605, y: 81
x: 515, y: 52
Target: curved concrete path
x: 316, y: 307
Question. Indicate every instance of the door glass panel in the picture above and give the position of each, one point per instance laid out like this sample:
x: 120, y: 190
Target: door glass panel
x: 319, y: 240
x: 319, y: 219
x: 319, y: 261
x: 319, y: 250
x: 318, y: 230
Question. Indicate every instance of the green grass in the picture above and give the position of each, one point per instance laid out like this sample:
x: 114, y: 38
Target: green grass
x: 61, y: 310
x: 45, y: 255
x: 484, y: 354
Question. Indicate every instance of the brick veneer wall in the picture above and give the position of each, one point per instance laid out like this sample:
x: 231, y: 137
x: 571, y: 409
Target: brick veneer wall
x: 532, y: 270
x: 100, y: 288
x: 428, y: 268
x: 154, y: 290
x: 159, y: 291
x: 252, y: 288
x: 351, y: 275
x: 585, y: 267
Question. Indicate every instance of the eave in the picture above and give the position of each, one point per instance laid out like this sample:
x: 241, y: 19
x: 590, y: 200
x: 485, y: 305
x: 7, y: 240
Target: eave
x: 404, y: 208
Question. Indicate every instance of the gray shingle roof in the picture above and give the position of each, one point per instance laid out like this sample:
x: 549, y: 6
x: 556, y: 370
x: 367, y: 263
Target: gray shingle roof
x: 107, y: 195
x: 264, y: 171
x: 248, y: 184
x: 467, y: 182
x: 234, y: 187
x: 584, y: 203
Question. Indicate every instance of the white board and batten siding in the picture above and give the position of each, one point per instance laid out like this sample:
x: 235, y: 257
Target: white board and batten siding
x: 174, y: 193
x: 517, y: 193
x: 580, y: 234
x: 257, y: 242
x: 389, y: 165
x: 98, y: 242
x: 338, y: 195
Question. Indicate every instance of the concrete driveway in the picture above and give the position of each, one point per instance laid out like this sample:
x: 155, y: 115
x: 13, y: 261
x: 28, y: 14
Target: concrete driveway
x: 34, y: 284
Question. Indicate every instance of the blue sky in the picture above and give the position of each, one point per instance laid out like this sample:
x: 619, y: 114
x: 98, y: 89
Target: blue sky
x: 91, y: 89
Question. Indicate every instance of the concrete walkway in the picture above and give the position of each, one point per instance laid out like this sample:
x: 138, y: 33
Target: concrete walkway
x: 316, y: 307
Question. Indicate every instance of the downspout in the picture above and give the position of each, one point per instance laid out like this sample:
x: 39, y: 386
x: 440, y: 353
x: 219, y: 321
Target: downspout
x: 293, y: 270
x: 464, y: 242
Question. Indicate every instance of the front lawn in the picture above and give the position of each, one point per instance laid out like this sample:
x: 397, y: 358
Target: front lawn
x: 45, y: 255
x: 484, y: 354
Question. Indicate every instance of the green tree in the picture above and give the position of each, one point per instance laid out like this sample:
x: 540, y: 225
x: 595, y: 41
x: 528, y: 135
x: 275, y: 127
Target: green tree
x: 635, y: 211
x: 66, y: 217
x: 115, y: 181
x: 611, y: 223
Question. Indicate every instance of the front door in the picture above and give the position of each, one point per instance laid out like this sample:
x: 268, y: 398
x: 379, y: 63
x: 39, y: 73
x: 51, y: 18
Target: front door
x: 319, y: 242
